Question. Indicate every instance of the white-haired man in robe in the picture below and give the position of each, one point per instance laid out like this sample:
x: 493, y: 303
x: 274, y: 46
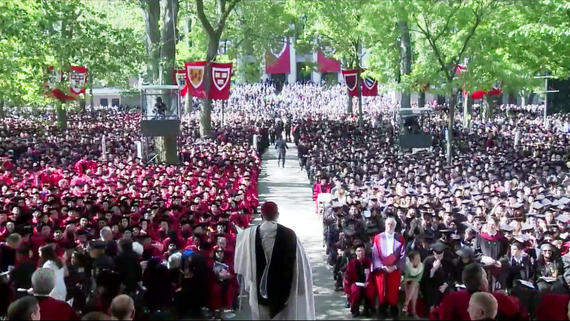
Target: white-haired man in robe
x: 275, y: 270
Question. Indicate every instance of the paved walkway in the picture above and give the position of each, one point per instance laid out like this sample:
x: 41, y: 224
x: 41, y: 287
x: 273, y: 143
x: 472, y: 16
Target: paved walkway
x: 290, y: 189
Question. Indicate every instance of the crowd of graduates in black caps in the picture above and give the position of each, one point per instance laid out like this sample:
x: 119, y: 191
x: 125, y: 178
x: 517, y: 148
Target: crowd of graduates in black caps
x: 503, y: 206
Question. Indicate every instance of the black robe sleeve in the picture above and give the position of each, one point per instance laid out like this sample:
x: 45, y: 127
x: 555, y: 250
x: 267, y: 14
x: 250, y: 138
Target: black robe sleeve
x: 430, y: 285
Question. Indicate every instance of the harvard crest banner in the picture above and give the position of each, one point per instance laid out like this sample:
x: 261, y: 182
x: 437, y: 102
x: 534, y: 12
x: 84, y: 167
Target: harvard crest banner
x: 77, y: 80
x: 369, y: 87
x: 180, y: 80
x: 195, y: 78
x: 277, y: 59
x: 351, y: 81
x: 220, y: 84
x: 55, y: 82
x: 221, y: 79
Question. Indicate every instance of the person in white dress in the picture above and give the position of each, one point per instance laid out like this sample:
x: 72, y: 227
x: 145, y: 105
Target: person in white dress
x: 49, y: 260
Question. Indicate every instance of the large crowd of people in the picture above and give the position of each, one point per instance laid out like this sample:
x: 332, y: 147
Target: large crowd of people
x: 110, y: 233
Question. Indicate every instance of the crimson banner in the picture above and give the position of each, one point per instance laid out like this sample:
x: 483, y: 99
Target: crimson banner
x: 57, y: 80
x: 195, y: 78
x: 351, y: 81
x: 369, y: 87
x: 77, y: 80
x: 221, y: 78
x: 220, y: 83
x: 278, y: 62
x: 180, y: 80
x: 327, y: 64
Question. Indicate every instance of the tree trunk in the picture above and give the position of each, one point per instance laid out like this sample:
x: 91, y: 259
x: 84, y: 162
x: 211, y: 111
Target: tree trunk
x: 422, y: 99
x: 512, y: 98
x: 467, y: 110
x: 531, y: 96
x: 405, y: 58
x: 151, y: 16
x: 348, y: 104
x: 359, y: 87
x: 489, y: 108
x: 2, y: 113
x: 61, y: 116
x: 224, y: 113
x: 188, y: 103
x: 82, y: 104
x: 167, y: 145
x: 167, y: 149
x: 450, y: 125
x: 168, y: 41
x: 206, y: 118
x: 91, y: 97
x: 206, y: 111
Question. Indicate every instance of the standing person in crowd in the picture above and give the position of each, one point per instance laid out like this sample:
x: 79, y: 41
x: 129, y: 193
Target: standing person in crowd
x: 388, y: 261
x: 275, y: 269
x: 49, y: 260
x: 26, y: 308
x: 483, y: 306
x: 438, y: 276
x: 281, y: 147
x: 490, y: 246
x: 128, y: 266
x: 43, y: 283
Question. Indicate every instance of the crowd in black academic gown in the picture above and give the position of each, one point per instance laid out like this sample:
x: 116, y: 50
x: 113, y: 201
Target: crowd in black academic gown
x: 163, y: 234
x: 505, y: 207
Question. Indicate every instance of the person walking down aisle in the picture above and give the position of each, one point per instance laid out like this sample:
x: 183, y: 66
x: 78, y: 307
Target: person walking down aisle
x: 280, y: 286
x: 281, y: 147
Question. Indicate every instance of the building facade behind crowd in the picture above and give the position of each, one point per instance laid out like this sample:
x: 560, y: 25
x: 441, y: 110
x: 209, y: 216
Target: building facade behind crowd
x: 106, y: 226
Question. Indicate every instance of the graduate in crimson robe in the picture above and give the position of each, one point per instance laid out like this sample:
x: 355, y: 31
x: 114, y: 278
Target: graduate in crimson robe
x: 388, y: 261
x: 52, y: 309
x: 356, y: 282
x: 321, y: 187
x: 454, y: 305
x: 553, y: 306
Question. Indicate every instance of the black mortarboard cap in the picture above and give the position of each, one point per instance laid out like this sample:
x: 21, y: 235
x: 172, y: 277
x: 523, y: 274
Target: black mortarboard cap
x: 97, y: 245
x: 438, y: 247
x: 464, y: 252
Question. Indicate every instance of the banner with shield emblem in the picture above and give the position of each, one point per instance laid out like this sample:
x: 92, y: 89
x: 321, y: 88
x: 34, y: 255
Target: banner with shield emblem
x: 195, y: 78
x: 351, y: 81
x: 370, y: 87
x: 77, y: 80
x: 221, y: 78
x: 180, y: 80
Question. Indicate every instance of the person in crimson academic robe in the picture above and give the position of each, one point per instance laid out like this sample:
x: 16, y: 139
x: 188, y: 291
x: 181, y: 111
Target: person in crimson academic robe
x: 356, y: 282
x: 553, y: 306
x: 321, y: 187
x: 454, y: 305
x: 388, y: 262
x: 51, y: 309
x: 224, y: 286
